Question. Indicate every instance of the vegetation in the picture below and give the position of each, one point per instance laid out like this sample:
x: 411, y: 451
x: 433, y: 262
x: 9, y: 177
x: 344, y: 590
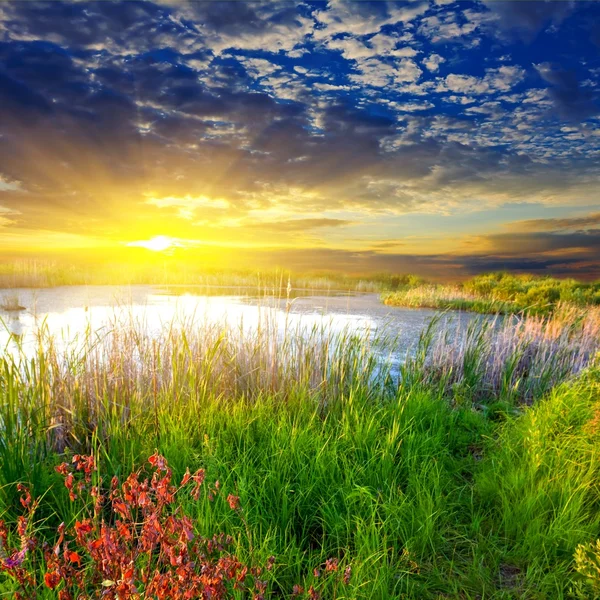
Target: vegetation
x: 11, y: 303
x: 169, y: 271
x: 502, y: 293
x: 470, y: 471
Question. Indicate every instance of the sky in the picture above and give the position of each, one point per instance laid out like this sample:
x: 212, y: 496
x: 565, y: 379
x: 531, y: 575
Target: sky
x: 441, y: 137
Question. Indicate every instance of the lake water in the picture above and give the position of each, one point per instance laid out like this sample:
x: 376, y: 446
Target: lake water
x: 67, y: 313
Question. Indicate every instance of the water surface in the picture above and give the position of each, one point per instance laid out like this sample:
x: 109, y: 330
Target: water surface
x: 68, y: 313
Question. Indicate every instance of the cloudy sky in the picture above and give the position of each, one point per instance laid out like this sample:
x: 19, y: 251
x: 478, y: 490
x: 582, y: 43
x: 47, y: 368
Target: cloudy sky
x: 438, y: 137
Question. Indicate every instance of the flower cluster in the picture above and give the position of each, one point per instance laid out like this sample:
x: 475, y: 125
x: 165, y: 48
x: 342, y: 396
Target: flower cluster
x: 136, y: 543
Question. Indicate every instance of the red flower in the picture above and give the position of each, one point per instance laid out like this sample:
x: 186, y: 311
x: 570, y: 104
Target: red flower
x: 331, y: 564
x: 158, y: 462
x: 234, y: 502
x: 51, y: 579
x: 347, y: 574
x: 26, y: 497
x: 83, y: 527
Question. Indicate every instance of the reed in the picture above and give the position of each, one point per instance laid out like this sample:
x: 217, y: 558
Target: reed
x: 511, y: 359
x: 11, y: 303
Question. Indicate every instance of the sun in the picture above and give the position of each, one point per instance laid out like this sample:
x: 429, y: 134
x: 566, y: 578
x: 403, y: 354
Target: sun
x: 159, y: 243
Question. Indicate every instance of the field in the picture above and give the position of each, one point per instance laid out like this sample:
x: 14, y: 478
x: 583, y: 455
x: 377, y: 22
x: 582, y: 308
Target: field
x: 470, y: 472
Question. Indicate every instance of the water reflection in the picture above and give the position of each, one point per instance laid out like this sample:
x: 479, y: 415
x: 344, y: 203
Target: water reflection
x: 16, y: 328
x: 69, y: 314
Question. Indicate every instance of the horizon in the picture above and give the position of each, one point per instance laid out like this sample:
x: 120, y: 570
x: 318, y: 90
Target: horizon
x: 441, y: 138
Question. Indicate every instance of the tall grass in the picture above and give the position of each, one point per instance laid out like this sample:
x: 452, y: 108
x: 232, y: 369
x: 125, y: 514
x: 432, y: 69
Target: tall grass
x: 503, y: 293
x: 423, y: 488
x: 174, y: 271
x: 511, y: 359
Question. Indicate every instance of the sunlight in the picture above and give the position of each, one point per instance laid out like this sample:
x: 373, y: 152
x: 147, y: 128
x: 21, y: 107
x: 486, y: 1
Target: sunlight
x: 158, y: 243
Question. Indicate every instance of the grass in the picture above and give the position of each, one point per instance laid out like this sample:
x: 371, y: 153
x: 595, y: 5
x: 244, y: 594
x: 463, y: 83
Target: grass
x: 471, y: 473
x: 501, y: 293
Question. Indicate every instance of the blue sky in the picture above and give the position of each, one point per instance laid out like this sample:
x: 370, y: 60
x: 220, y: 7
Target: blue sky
x: 442, y: 137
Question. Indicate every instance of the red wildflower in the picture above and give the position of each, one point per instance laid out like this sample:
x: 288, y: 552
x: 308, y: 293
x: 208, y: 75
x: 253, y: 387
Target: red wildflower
x: 331, y: 565
x: 313, y: 594
x: 52, y: 579
x: 347, y: 575
x: 62, y: 469
x: 186, y: 477
x: 158, y: 462
x: 234, y: 502
x: 83, y: 527
x: 25, y: 499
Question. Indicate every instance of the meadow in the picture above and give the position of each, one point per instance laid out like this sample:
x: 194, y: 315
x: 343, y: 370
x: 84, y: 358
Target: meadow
x: 317, y: 467
x: 503, y: 293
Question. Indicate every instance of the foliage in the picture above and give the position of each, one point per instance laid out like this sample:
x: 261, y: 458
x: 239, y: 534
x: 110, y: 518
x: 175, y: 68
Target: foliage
x: 587, y: 564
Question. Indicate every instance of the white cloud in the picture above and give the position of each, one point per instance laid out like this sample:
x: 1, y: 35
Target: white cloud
x: 445, y: 28
x: 501, y: 79
x: 347, y: 17
x: 377, y: 46
x: 492, y: 109
x: 258, y: 67
x: 351, y: 48
x: 459, y: 99
x: 377, y: 73
x: 328, y: 87
x: 8, y: 185
x: 411, y: 106
x: 433, y: 62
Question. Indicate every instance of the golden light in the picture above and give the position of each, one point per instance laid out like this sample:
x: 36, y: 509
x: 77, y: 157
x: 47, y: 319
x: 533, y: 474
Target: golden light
x: 158, y: 243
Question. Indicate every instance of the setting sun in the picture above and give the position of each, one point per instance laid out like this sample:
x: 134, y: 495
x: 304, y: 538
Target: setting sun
x: 159, y: 243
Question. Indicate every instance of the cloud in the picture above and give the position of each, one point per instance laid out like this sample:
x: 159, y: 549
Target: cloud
x: 299, y: 225
x: 526, y: 18
x: 500, y: 79
x: 6, y: 185
x: 447, y: 27
x: 590, y: 221
x: 583, y: 243
x: 380, y: 74
x: 570, y: 99
x: 188, y: 206
x: 433, y: 62
x: 436, y: 266
x: 363, y: 18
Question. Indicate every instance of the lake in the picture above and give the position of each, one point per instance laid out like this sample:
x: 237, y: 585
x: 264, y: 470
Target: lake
x: 67, y: 313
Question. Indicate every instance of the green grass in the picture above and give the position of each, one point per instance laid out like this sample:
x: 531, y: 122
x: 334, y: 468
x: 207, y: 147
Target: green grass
x: 501, y: 293
x: 426, y: 491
